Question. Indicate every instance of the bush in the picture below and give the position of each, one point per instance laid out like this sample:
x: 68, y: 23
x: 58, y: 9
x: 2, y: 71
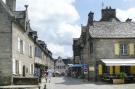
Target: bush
x: 122, y: 75
x: 81, y: 76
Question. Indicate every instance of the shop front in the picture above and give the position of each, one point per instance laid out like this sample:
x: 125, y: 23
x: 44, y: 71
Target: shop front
x: 75, y: 71
x: 109, y: 69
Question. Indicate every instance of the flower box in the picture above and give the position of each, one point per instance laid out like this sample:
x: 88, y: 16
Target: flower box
x: 118, y: 81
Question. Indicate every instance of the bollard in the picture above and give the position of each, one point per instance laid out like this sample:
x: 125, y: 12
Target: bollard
x: 45, y: 86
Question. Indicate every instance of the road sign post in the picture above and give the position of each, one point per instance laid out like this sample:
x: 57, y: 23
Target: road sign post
x: 85, y: 69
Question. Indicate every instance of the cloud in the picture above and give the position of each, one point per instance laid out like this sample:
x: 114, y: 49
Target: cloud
x: 4, y: 1
x: 124, y: 14
x: 55, y: 22
x: 128, y: 0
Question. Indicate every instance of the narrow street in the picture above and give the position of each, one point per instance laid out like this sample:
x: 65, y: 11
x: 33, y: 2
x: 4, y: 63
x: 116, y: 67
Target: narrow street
x: 71, y: 83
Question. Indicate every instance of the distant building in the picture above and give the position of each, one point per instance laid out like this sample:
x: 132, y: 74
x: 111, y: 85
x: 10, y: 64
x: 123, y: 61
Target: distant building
x: 20, y: 50
x: 107, y: 46
x: 43, y: 58
x: 61, y: 65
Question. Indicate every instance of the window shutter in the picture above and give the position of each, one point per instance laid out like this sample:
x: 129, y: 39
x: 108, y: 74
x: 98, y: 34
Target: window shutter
x: 132, y: 69
x: 32, y: 51
x: 117, y: 69
x: 117, y: 49
x: 23, y: 47
x: 32, y: 66
x: 30, y: 69
x: 14, y: 67
x: 111, y: 70
x: 131, y: 49
x: 18, y: 44
x: 20, y: 67
x: 29, y: 50
x: 100, y: 69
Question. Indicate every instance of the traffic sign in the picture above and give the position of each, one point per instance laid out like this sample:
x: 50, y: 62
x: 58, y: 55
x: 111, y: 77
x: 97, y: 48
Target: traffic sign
x: 85, y: 68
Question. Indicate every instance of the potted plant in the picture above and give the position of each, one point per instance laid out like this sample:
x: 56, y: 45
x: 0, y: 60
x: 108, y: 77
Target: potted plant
x: 120, y: 78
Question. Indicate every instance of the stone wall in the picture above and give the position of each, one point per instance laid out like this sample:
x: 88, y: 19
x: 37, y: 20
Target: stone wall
x: 104, y: 48
x: 5, y: 48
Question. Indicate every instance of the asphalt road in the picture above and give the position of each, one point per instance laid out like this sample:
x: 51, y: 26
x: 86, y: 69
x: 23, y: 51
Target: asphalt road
x: 71, y: 83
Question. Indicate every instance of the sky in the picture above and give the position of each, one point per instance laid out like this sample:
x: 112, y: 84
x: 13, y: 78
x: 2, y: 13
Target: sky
x: 59, y: 21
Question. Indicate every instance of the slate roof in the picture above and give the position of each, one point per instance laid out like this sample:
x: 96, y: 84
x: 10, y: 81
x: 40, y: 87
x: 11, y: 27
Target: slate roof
x: 6, y: 8
x: 66, y: 61
x: 19, y: 14
x: 112, y: 29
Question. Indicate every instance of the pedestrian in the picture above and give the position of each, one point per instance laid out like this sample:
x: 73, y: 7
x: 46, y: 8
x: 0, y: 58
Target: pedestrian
x: 46, y: 75
x: 49, y: 75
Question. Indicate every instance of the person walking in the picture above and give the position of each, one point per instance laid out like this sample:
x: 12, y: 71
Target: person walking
x: 49, y: 75
x: 46, y: 75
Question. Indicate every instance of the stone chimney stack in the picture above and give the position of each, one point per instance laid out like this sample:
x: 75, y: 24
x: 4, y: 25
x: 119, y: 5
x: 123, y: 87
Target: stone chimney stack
x: 90, y: 18
x: 11, y: 4
x: 108, y: 13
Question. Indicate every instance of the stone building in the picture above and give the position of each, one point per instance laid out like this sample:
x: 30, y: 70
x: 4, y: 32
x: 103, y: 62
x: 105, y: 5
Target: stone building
x: 43, y: 58
x: 107, y: 46
x: 61, y: 65
x: 18, y: 44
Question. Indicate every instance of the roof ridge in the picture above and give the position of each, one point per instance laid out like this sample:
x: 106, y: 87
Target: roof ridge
x: 6, y: 8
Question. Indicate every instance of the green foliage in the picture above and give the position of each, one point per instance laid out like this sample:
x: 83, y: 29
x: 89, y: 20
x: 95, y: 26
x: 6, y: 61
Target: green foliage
x: 122, y: 75
x: 81, y: 76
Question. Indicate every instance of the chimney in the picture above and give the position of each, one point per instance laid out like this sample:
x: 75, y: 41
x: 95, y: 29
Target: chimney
x: 128, y: 20
x: 90, y: 18
x: 11, y: 4
x: 108, y: 13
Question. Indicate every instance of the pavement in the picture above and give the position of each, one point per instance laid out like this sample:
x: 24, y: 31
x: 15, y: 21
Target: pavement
x: 20, y: 87
x: 72, y: 83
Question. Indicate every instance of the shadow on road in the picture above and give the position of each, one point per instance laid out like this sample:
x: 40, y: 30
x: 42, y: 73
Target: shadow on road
x: 75, y: 81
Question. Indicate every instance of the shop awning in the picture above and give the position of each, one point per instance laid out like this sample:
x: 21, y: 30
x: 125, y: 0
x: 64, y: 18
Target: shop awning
x: 119, y: 62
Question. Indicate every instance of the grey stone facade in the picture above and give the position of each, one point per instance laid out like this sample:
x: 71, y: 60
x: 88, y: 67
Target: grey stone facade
x: 5, y: 46
x: 98, y: 38
x: 17, y: 47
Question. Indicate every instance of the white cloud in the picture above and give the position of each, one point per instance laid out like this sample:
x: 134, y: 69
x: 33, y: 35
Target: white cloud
x: 124, y: 14
x: 55, y: 21
x: 128, y: 0
x: 4, y: 1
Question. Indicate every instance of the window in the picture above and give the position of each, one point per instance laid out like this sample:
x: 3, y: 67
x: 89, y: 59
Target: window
x: 31, y: 69
x: 60, y: 67
x: 18, y: 44
x: 124, y: 49
x: 30, y: 50
x: 17, y: 66
x: 26, y: 70
x: 38, y: 52
x: 91, y: 47
x: 21, y: 45
x: 125, y: 69
x: 59, y: 61
x: 64, y: 67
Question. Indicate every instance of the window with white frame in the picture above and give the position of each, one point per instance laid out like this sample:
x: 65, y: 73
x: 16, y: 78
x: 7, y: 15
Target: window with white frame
x: 38, y: 52
x: 124, y: 49
x: 30, y: 50
x: 31, y: 68
x: 21, y: 46
x: 26, y: 69
x: 17, y: 66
